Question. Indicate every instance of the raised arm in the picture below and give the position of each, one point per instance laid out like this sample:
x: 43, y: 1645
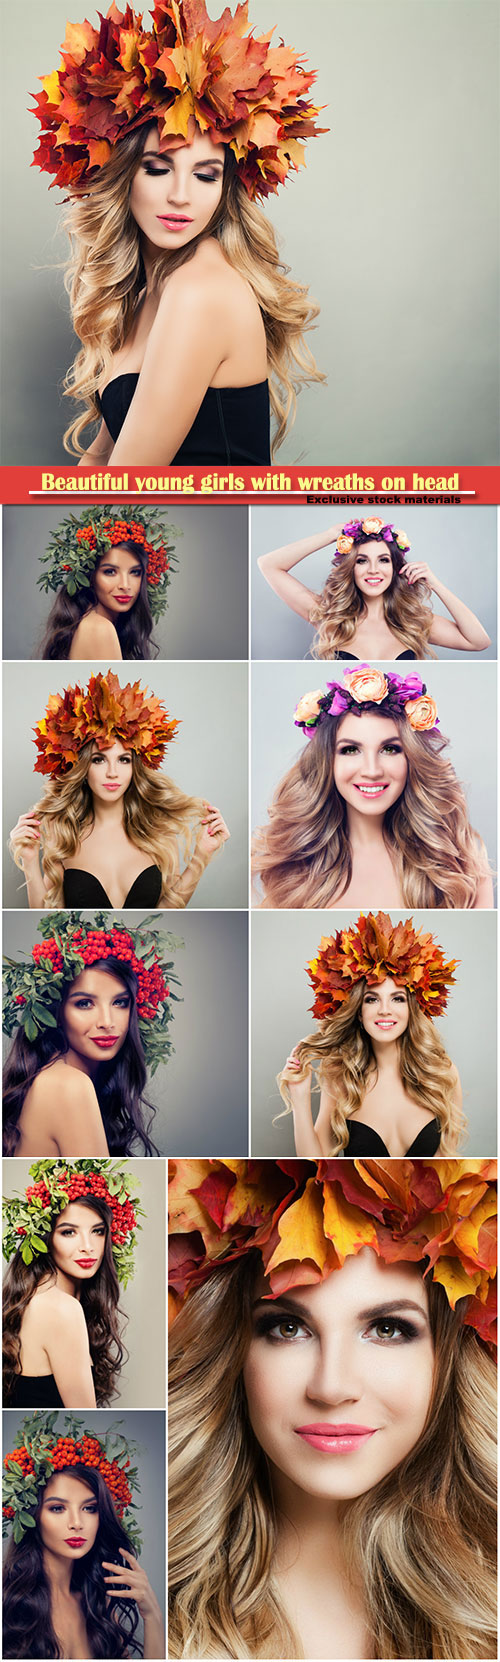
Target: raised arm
x: 66, y: 1342
x: 465, y: 633
x: 276, y: 567
x: 309, y: 1138
x: 24, y: 845
x: 189, y: 339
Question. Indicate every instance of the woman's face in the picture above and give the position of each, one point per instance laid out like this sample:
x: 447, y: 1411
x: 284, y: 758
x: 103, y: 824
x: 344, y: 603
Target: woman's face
x: 338, y: 1377
x: 385, y: 1012
x: 175, y: 192
x: 96, y: 1015
x: 372, y: 571
x: 110, y: 773
x: 117, y: 580
x: 370, y: 767
x: 78, y: 1241
x: 69, y: 1517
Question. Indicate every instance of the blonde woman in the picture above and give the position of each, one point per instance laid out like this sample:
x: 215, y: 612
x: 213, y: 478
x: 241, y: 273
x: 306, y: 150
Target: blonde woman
x: 387, y: 1085
x: 190, y: 329
x: 110, y: 829
x: 375, y: 601
x: 338, y: 1324
x: 372, y: 813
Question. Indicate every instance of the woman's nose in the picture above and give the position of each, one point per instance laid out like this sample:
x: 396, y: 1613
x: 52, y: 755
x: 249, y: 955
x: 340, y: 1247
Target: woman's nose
x: 335, y: 1377
x: 372, y: 764
x: 177, y: 187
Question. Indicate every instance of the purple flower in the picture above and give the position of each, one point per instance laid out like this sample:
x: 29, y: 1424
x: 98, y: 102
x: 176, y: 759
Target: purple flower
x: 386, y: 533
x: 351, y: 529
x: 338, y: 705
x: 411, y: 687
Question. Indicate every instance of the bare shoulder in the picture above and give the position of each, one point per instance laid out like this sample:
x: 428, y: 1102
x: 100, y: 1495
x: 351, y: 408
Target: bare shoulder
x: 209, y: 280
x: 51, y: 1307
x: 95, y: 637
x: 59, y: 1085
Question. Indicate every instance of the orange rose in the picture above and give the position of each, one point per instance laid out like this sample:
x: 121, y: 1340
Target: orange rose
x: 422, y: 713
x: 366, y: 686
x: 309, y: 706
x: 401, y: 539
x: 344, y: 544
x: 371, y: 527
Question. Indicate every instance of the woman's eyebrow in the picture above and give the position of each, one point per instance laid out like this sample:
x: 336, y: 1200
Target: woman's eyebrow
x: 387, y: 1308
x: 166, y: 155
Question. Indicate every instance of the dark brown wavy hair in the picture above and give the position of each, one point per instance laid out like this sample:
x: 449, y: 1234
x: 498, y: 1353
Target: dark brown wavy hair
x: 303, y: 855
x: 99, y: 1301
x: 341, y: 606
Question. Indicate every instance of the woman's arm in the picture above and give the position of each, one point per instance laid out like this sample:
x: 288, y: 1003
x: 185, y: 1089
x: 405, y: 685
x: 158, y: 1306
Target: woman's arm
x: 275, y: 567
x: 484, y: 896
x: 307, y: 1142
x: 25, y: 841
x: 212, y: 835
x: 77, y: 1123
x: 100, y: 449
x: 66, y: 1341
x: 466, y: 633
x: 129, y: 1580
x: 454, y: 1139
x: 189, y: 339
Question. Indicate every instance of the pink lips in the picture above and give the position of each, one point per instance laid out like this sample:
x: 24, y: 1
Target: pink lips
x: 77, y: 1541
x: 176, y: 221
x: 107, y: 1044
x: 335, y: 1439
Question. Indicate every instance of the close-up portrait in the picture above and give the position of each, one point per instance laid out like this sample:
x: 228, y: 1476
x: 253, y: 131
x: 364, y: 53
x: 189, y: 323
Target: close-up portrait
x: 331, y: 1357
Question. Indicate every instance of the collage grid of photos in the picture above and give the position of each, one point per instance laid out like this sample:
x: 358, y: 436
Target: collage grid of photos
x: 250, y: 843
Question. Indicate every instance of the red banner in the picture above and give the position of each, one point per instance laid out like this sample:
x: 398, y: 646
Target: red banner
x: 392, y: 487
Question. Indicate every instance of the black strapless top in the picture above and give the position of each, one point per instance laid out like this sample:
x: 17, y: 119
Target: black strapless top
x: 356, y: 660
x: 81, y: 888
x: 35, y: 1391
x: 231, y: 425
x: 363, y: 1141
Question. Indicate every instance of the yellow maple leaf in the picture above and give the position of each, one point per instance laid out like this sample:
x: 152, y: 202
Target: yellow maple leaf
x: 455, y: 1280
x: 301, y: 1230
x: 347, y: 1226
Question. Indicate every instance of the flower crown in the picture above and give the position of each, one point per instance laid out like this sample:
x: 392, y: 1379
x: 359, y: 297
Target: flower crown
x: 363, y: 687
x: 358, y: 529
x: 40, y: 1450
x: 187, y: 70
x: 372, y: 949
x: 306, y: 1217
x: 78, y: 544
x: 70, y: 944
x: 105, y: 712
x: 29, y: 1219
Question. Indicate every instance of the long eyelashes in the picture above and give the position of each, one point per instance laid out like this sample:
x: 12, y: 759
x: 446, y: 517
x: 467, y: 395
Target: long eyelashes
x: 399, y: 1330
x: 161, y: 173
x: 389, y: 749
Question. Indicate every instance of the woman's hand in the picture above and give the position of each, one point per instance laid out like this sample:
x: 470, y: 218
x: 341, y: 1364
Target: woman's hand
x: 297, y: 1077
x: 25, y: 839
x: 128, y: 1580
x: 213, y: 832
x: 417, y: 571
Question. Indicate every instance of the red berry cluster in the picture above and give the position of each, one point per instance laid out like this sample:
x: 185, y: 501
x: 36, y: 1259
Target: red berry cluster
x: 88, y: 1452
x: 119, y: 530
x: 19, y: 999
x: 157, y: 565
x: 72, y: 1187
x: 49, y: 950
x: 119, y: 944
x: 23, y: 1459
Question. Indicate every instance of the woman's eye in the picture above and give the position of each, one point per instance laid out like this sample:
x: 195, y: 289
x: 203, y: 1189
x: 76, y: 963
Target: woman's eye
x: 82, y: 1004
x: 121, y: 1003
x: 394, y: 1329
x: 348, y: 749
x: 287, y: 1329
x: 209, y: 178
x: 392, y: 749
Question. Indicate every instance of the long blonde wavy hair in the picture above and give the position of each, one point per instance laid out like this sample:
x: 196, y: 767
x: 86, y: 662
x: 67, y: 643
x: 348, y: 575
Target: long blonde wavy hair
x: 303, y: 855
x: 341, y: 1056
x: 421, y: 1543
x: 157, y: 816
x: 106, y: 276
x: 341, y: 606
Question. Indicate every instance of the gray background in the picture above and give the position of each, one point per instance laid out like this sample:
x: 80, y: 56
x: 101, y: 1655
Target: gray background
x: 466, y: 697
x: 202, y: 1094
x: 147, y: 1429
x: 207, y: 614
x: 393, y: 224
x: 282, y: 945
x: 138, y: 1387
x: 207, y: 758
x: 460, y: 548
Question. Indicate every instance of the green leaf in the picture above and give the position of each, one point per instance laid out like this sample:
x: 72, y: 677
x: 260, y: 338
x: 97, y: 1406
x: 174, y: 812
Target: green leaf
x: 39, y: 1246
x: 43, y: 1014
x: 30, y: 1028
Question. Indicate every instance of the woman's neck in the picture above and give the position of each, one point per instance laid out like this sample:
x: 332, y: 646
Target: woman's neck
x: 387, y: 1058
x: 64, y: 1283
x: 106, y: 813
x: 58, y: 1572
x: 308, y: 1525
x: 364, y: 830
